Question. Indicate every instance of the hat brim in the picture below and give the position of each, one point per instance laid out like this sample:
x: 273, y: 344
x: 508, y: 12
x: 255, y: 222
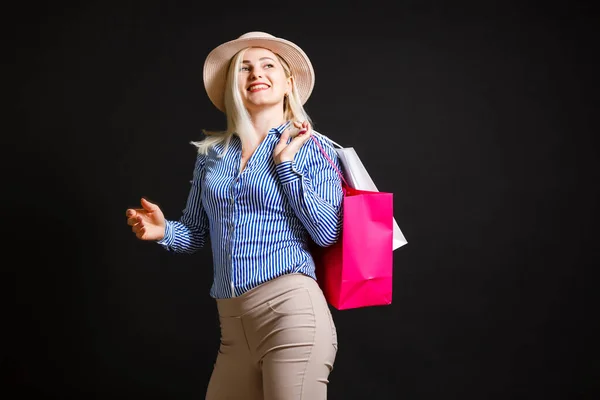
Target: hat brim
x: 217, y: 64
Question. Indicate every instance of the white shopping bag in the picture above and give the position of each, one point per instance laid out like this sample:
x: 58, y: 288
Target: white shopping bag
x: 357, y: 177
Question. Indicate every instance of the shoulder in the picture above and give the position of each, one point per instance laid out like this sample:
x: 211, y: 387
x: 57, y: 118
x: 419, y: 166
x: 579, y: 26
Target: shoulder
x: 318, y: 153
x: 201, y: 158
x: 320, y: 142
x: 324, y: 140
x: 213, y: 145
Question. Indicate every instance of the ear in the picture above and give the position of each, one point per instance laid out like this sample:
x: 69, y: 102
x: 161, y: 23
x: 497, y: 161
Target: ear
x: 290, y: 85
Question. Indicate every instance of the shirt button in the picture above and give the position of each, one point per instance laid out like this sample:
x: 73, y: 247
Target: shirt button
x: 231, y: 200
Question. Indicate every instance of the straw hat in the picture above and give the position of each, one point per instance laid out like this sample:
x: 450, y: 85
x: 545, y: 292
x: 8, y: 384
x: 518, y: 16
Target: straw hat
x: 217, y: 63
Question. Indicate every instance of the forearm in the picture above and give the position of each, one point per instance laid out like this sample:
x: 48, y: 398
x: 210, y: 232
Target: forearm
x: 182, y: 238
x: 317, y: 208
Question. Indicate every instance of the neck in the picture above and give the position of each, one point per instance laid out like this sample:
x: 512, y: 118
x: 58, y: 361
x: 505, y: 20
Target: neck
x: 262, y: 121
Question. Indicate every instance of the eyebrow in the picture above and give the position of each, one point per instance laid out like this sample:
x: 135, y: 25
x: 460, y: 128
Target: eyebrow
x: 261, y: 59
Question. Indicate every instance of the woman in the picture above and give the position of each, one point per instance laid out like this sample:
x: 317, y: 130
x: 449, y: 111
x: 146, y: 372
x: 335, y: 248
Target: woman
x: 263, y: 189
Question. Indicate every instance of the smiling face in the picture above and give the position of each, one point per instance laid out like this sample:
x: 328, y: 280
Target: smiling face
x: 262, y: 80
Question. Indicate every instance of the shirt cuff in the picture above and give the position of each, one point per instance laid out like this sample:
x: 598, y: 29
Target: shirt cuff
x: 167, y: 240
x: 287, y: 173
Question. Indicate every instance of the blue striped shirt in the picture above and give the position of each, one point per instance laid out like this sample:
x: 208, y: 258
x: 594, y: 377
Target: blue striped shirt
x: 259, y: 220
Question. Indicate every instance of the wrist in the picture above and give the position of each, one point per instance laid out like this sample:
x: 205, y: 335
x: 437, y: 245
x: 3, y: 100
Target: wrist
x: 286, y: 172
x: 279, y: 160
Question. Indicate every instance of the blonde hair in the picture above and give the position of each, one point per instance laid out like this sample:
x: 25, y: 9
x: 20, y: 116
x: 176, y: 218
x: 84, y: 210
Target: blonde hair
x: 238, y: 119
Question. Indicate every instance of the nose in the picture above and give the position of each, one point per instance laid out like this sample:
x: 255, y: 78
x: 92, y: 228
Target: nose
x: 256, y: 73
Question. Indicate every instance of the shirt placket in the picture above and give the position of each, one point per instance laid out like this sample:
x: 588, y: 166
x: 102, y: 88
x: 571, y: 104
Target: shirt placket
x: 233, y: 202
x: 231, y: 225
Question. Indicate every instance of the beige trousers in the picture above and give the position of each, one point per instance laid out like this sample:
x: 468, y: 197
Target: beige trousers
x: 278, y: 342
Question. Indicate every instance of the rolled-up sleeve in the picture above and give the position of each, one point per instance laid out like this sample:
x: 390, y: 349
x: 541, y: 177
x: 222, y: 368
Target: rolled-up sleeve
x: 188, y: 234
x: 314, y: 190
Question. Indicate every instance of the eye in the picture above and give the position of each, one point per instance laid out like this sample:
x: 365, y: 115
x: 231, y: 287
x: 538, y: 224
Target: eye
x: 269, y: 65
x: 244, y: 68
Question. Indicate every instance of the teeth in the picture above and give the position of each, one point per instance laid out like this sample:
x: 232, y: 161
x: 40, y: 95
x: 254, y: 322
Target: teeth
x: 262, y: 86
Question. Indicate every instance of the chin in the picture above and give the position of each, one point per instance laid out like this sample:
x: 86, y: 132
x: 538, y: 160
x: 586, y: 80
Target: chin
x: 262, y: 104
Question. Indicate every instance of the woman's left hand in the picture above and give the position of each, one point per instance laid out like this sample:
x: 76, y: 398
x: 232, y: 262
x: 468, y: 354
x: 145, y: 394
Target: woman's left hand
x: 285, y: 151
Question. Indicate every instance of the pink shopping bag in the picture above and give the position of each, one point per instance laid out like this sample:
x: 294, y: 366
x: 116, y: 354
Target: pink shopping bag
x: 356, y: 271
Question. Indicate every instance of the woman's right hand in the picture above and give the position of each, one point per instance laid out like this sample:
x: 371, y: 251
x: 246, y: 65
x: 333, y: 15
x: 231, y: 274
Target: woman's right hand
x: 148, y: 222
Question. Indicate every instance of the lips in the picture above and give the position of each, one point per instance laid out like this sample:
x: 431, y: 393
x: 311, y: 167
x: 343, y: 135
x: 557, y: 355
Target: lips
x: 257, y: 87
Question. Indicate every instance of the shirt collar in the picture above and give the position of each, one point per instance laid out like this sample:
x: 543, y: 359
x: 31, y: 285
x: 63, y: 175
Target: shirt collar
x: 281, y: 128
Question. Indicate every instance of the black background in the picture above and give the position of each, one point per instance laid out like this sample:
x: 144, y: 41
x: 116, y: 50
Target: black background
x: 478, y: 116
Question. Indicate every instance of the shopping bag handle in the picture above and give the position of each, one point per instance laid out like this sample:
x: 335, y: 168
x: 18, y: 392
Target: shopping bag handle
x: 329, y: 159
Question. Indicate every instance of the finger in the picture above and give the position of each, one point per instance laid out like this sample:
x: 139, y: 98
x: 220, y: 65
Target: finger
x: 138, y: 225
x: 283, y: 139
x: 135, y: 220
x: 297, y: 143
x: 134, y: 212
x: 305, y: 128
x: 304, y: 132
x: 148, y: 206
x: 140, y: 233
x: 301, y: 125
x: 305, y: 137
